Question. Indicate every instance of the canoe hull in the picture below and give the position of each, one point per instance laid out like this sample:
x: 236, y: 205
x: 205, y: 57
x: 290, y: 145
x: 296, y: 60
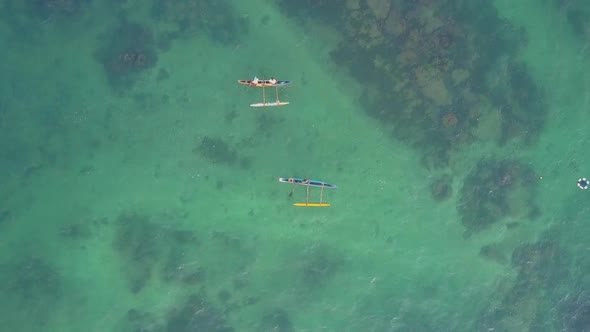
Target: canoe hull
x: 262, y: 84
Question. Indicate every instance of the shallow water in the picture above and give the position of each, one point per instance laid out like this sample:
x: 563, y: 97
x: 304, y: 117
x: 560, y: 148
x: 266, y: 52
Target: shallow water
x: 140, y: 192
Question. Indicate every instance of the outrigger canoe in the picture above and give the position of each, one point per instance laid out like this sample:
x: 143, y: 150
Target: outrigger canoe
x: 265, y: 83
x: 308, y: 184
x: 305, y: 182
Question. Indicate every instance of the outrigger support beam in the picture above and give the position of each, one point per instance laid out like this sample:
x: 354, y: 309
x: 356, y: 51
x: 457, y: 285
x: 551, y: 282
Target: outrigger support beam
x: 308, y: 183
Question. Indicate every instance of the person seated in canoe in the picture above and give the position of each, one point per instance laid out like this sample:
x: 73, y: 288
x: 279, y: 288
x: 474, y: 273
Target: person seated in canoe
x: 272, y: 81
x: 255, y: 80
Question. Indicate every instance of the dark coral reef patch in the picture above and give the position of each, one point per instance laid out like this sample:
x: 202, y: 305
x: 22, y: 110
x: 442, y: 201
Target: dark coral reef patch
x: 496, y: 189
x: 32, y: 286
x: 433, y: 69
x: 577, y: 14
x: 196, y: 313
x: 441, y: 188
x: 217, y: 151
x: 130, y: 50
x: 277, y: 320
x: 50, y: 9
x: 532, y: 299
x: 317, y: 265
x: 149, y: 249
x: 574, y: 311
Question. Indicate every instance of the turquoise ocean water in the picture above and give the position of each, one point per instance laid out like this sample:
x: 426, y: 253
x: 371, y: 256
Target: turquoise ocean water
x: 139, y: 192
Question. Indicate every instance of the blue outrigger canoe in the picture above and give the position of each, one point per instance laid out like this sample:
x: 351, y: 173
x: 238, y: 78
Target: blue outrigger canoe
x: 307, y: 182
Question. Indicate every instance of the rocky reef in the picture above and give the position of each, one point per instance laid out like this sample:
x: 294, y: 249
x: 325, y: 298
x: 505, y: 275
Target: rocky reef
x: 574, y: 311
x: 49, y: 9
x: 316, y: 266
x: 196, y: 313
x: 128, y: 50
x: 32, y: 286
x: 528, y: 303
x: 496, y: 189
x: 577, y: 14
x: 441, y: 188
x: 277, y: 320
x: 208, y: 266
x: 217, y: 151
x: 149, y: 250
x: 431, y: 70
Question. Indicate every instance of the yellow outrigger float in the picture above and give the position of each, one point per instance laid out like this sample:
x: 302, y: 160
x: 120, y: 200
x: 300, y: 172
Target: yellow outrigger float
x: 309, y: 183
